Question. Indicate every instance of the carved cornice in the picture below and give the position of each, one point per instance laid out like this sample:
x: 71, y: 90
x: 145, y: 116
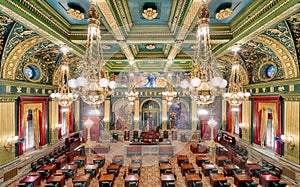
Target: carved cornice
x: 292, y: 81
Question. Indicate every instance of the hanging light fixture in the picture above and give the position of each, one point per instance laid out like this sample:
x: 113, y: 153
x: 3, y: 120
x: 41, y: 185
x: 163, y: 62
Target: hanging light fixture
x: 131, y: 94
x: 93, y: 86
x: 64, y: 95
x: 235, y: 94
x: 204, y: 82
x: 169, y: 94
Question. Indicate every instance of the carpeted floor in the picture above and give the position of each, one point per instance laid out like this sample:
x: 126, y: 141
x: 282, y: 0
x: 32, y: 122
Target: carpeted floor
x: 150, y: 175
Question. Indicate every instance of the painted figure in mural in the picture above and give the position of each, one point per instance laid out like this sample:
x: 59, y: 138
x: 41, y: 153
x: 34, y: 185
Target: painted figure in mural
x: 151, y: 81
x: 123, y: 117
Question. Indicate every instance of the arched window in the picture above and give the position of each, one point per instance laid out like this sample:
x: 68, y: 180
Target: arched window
x: 29, y: 132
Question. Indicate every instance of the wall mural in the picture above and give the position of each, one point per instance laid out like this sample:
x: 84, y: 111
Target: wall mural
x: 149, y: 80
x: 178, y: 116
x: 123, y: 115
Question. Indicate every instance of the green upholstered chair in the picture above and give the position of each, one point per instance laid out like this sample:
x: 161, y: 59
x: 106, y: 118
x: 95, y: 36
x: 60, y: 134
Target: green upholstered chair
x: 118, y: 162
x: 80, y: 184
x: 44, y: 174
x: 133, y: 184
x: 106, y: 184
x: 136, y: 162
x: 169, y: 171
x: 92, y: 172
x: 99, y: 162
x: 22, y: 184
x: 52, y: 184
x: 279, y: 184
x: 135, y: 171
x: 224, y: 184
x: 214, y: 171
x: 191, y: 171
x: 79, y: 163
x: 170, y: 184
x: 251, y: 184
x: 237, y: 171
x: 68, y: 173
x: 197, y: 183
x: 51, y: 160
x: 115, y: 172
x: 164, y: 161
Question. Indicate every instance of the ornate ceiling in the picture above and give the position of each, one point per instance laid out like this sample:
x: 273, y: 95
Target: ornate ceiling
x: 32, y: 31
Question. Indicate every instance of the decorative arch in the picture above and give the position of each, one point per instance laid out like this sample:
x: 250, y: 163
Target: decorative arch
x: 15, y: 56
x: 286, y: 59
x: 149, y: 99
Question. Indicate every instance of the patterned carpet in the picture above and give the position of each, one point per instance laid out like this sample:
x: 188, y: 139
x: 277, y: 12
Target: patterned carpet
x: 150, y: 175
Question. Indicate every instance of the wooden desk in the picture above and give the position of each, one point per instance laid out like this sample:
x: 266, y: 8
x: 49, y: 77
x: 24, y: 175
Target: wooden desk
x: 49, y: 167
x: 216, y: 178
x: 106, y: 177
x: 35, y: 179
x: 99, y: 158
x: 228, y: 168
x: 241, y: 178
x: 82, y: 178
x: 220, y: 159
x: 131, y: 178
x: 164, y: 166
x: 113, y: 166
x: 57, y: 178
x: 185, y: 167
x: 200, y: 159
x: 93, y: 167
x: 181, y: 159
x: 166, y: 178
x: 80, y: 158
x: 190, y: 178
x: 266, y: 180
x: 60, y: 162
x: 206, y: 168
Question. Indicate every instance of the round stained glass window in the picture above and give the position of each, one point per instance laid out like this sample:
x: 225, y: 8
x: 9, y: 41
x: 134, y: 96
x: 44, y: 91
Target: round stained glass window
x: 267, y: 71
x: 32, y: 72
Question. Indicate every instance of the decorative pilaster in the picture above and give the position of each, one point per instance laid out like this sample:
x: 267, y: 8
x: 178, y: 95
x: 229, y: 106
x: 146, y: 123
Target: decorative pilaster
x: 106, y: 114
x: 136, y: 115
x: 194, y: 116
x: 164, y: 114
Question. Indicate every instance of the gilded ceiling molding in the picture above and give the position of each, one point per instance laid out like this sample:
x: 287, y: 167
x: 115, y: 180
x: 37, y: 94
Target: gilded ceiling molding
x: 286, y: 59
x: 249, y: 28
x: 52, y: 37
x: 118, y: 35
x: 12, y: 61
x: 183, y: 31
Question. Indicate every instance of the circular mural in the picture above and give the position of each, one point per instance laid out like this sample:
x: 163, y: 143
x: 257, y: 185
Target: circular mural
x: 32, y: 72
x: 267, y: 71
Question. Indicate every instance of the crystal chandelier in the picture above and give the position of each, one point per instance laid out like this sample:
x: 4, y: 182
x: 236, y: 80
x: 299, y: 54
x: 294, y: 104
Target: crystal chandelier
x: 64, y: 95
x: 131, y: 94
x: 93, y: 86
x: 169, y: 94
x: 235, y: 94
x: 204, y: 82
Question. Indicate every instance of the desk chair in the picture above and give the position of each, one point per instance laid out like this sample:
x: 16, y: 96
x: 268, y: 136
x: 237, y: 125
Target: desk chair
x: 99, y: 162
x: 23, y: 184
x: 135, y: 171
x: 44, y: 174
x: 170, y: 184
x: 237, y: 171
x: 197, y: 184
x: 251, y: 184
x: 133, y: 184
x: 80, y: 184
x: 92, y: 172
x: 191, y: 171
x: 224, y: 184
x: 79, y: 163
x: 106, y: 184
x: 214, y: 171
x: 52, y: 184
x: 279, y: 184
x: 68, y: 173
x: 115, y: 172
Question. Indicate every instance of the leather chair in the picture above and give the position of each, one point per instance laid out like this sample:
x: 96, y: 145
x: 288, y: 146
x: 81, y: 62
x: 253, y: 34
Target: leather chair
x: 168, y: 171
x: 170, y: 184
x: 68, y: 173
x: 197, y: 184
x: 224, y: 184
x: 106, y: 184
x: 80, y: 184
x: 133, y: 184
x: 44, y: 174
x: 52, y: 184
x: 135, y: 171
x: 92, y: 172
x: 25, y: 184
x: 99, y: 162
x: 251, y: 184
x: 279, y: 184
x: 115, y: 172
